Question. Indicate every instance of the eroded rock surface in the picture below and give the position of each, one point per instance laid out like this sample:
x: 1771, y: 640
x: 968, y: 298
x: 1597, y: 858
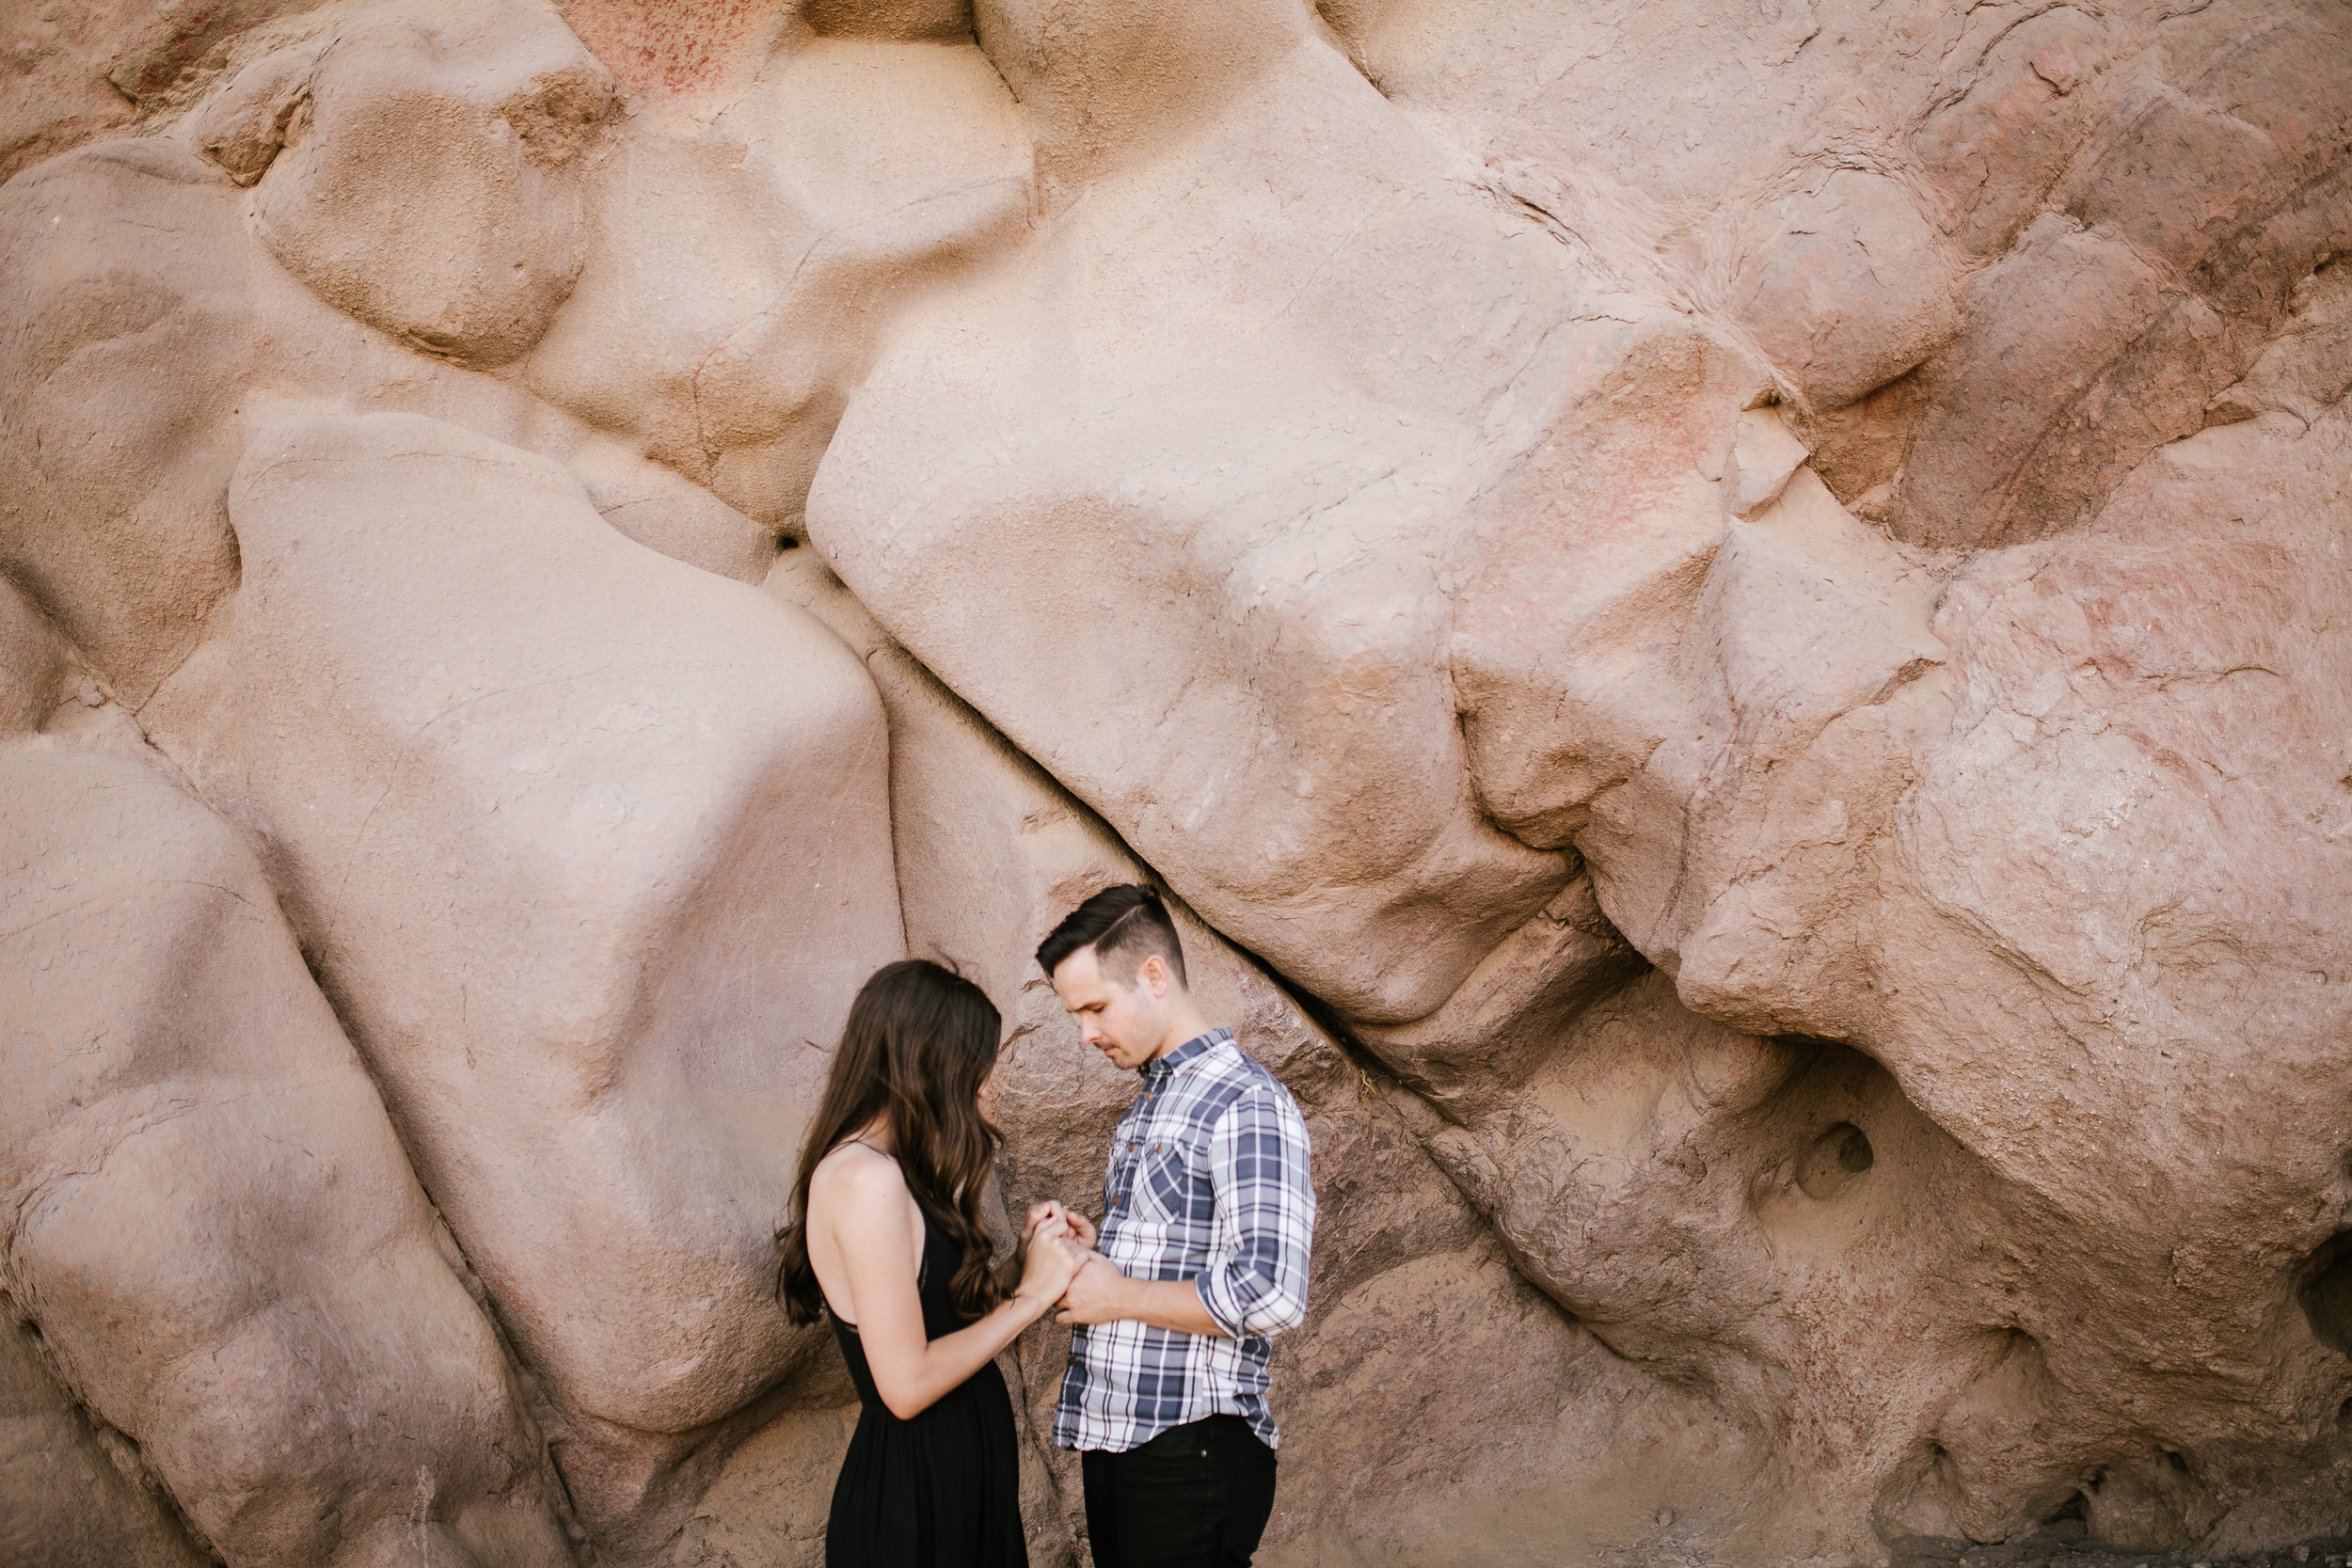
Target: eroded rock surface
x: 622, y: 859
x: 212, y: 1222
x: 1729, y: 622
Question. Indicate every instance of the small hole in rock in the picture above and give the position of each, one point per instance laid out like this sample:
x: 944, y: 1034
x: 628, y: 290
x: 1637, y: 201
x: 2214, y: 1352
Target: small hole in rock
x: 2177, y: 1463
x: 2072, y: 1518
x: 788, y: 543
x: 1836, y: 1157
x: 2325, y: 1292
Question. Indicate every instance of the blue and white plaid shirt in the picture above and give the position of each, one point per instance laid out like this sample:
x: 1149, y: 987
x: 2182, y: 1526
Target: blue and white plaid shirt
x: 1208, y: 1182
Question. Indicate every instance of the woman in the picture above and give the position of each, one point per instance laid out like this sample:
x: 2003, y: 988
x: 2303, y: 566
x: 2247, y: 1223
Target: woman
x: 888, y: 1239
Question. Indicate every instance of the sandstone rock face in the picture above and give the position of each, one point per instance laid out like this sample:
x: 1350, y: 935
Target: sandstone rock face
x: 622, y: 857
x: 1728, y: 624
x: 211, y: 1219
x: 75, y: 1499
x: 856, y: 174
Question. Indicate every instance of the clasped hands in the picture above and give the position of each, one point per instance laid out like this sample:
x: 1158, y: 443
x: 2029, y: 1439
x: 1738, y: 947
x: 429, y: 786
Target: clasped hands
x: 1060, y: 1264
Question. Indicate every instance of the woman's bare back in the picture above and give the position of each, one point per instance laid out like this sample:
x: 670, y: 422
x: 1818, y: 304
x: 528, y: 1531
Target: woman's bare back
x: 848, y: 1199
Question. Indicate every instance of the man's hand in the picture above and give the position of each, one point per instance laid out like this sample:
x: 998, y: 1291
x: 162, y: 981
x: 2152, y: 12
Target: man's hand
x: 1100, y: 1294
x: 1096, y: 1294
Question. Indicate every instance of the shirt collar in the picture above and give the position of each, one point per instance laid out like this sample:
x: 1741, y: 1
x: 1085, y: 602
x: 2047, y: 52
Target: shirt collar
x: 1157, y: 1069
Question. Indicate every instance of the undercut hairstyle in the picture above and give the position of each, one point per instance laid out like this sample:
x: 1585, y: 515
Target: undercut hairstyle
x: 1124, y: 924
x: 919, y: 1041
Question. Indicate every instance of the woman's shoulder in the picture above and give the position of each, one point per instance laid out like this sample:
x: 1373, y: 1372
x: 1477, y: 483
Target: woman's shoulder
x: 857, y: 1174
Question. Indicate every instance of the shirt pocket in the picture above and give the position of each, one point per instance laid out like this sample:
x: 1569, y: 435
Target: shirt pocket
x: 1170, y: 1191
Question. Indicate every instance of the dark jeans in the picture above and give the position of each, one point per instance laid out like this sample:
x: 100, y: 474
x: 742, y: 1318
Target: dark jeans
x: 1197, y: 1496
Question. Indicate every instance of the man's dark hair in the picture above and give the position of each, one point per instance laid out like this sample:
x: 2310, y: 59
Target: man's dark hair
x: 1123, y: 922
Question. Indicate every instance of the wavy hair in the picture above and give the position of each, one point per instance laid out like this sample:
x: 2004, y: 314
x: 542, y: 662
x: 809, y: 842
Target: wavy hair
x: 919, y: 1041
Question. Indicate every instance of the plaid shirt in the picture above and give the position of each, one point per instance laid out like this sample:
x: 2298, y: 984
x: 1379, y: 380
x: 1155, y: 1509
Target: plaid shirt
x: 1208, y: 1182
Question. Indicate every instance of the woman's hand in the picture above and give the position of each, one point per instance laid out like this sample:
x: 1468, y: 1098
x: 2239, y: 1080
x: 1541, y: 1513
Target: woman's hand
x: 1053, y: 1261
x: 1049, y: 1219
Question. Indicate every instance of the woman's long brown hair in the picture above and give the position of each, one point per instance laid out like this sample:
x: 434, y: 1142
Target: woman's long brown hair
x: 919, y: 1041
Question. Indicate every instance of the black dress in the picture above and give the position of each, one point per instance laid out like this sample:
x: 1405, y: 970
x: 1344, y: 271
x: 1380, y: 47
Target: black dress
x: 940, y: 1491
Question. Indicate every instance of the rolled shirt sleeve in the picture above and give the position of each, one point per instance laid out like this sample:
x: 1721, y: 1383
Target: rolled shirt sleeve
x: 1256, y: 1283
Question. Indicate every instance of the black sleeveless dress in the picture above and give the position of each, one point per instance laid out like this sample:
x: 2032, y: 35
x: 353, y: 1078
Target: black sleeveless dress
x: 940, y: 1491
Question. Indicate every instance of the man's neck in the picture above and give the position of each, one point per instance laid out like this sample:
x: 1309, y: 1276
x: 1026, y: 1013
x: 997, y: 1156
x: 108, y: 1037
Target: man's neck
x: 1185, y: 1024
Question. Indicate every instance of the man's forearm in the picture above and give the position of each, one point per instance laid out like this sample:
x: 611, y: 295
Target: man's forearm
x: 1166, y: 1303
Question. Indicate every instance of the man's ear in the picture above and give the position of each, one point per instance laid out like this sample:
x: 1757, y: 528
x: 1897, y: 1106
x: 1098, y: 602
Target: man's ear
x: 1154, y: 977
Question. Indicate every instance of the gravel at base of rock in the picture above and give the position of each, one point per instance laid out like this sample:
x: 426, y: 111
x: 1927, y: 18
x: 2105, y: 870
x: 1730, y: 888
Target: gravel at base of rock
x: 2059, y: 1550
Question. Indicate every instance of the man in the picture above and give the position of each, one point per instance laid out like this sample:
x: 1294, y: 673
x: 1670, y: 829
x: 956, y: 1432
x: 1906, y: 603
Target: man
x: 1207, y: 1214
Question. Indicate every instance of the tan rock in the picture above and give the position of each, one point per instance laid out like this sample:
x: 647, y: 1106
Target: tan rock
x: 144, y: 337
x: 859, y: 176
x: 1740, y: 604
x: 128, y: 313
x: 74, y: 1491
x: 35, y: 664
x: 591, y: 851
x: 448, y: 134
x: 58, y: 92
x: 211, y: 1219
x: 992, y: 853
x: 1336, y: 499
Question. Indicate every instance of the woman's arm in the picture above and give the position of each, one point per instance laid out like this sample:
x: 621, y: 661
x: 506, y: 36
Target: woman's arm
x: 865, y: 1206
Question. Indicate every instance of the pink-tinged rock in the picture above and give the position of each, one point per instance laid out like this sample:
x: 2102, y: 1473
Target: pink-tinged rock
x: 591, y: 849
x: 2170, y: 175
x: 2079, y: 888
x: 2004, y: 138
x: 210, y: 1217
x: 1845, y: 893
x: 1851, y: 287
x: 2040, y: 328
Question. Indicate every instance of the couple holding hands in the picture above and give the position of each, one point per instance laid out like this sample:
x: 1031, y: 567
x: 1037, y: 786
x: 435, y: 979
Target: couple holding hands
x: 1200, y: 1259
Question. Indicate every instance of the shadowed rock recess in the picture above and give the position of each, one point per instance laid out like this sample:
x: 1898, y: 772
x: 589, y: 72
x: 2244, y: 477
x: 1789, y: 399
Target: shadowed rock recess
x: 1729, y: 620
